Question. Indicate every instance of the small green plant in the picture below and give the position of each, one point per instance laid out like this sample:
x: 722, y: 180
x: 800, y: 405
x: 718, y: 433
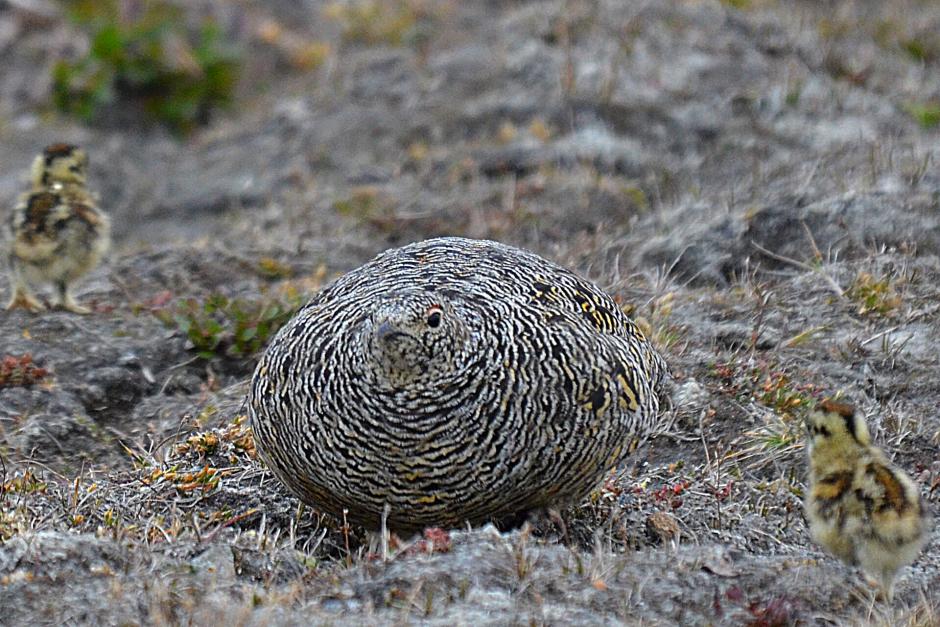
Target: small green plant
x: 271, y: 268
x: 794, y: 92
x: 636, y: 198
x: 657, y: 326
x: 780, y: 394
x: 368, y: 206
x: 224, y: 327
x: 16, y: 518
x: 874, y: 296
x: 145, y: 55
x: 25, y: 483
x: 779, y: 432
x: 20, y: 371
x: 923, y: 49
x: 926, y: 114
x: 364, y: 203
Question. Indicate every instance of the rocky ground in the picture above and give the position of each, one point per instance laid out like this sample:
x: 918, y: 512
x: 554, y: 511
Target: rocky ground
x: 757, y: 181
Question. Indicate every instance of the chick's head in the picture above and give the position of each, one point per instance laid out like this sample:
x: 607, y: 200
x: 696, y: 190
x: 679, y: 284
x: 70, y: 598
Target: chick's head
x: 60, y: 163
x: 835, y: 426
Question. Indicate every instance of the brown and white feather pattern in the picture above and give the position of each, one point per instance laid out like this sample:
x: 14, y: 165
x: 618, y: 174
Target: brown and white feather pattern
x: 57, y: 233
x: 860, y: 506
x: 456, y: 381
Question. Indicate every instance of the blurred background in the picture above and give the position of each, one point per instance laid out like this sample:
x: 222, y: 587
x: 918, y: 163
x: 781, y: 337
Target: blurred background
x: 307, y: 128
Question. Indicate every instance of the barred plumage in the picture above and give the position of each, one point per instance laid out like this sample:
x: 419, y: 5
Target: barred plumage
x: 456, y: 381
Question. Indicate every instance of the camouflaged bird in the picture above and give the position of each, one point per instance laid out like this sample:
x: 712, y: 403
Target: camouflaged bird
x: 861, y: 507
x: 57, y: 232
x: 454, y: 381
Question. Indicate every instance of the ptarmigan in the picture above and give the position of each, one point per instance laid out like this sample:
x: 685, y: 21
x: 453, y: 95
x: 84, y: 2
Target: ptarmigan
x: 861, y: 507
x: 57, y: 232
x: 453, y: 381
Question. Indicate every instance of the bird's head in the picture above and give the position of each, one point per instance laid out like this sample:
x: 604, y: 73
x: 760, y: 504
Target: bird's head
x: 835, y: 423
x: 415, y: 335
x: 64, y: 164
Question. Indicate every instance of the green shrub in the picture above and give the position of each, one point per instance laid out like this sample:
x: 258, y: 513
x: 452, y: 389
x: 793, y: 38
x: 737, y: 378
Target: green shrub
x: 147, y: 58
x: 223, y: 327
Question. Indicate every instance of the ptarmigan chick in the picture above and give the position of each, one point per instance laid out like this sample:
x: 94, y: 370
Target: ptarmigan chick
x: 58, y: 234
x: 860, y: 506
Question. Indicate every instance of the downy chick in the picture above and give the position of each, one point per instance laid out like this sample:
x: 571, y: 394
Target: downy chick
x: 861, y: 507
x: 58, y: 234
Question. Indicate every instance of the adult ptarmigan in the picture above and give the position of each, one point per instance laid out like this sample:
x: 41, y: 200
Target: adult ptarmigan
x: 453, y: 381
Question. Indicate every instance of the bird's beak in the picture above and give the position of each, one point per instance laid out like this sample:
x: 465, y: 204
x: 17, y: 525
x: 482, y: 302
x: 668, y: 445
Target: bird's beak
x: 386, y: 331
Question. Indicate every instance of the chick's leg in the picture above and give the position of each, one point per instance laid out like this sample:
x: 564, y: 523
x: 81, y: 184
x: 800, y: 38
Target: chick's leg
x: 882, y: 584
x: 20, y: 294
x: 886, y: 585
x: 65, y: 300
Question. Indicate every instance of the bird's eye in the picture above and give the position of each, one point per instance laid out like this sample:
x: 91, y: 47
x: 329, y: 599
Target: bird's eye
x: 434, y: 317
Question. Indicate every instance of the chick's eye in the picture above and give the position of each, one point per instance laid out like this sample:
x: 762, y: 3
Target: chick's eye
x: 434, y: 318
